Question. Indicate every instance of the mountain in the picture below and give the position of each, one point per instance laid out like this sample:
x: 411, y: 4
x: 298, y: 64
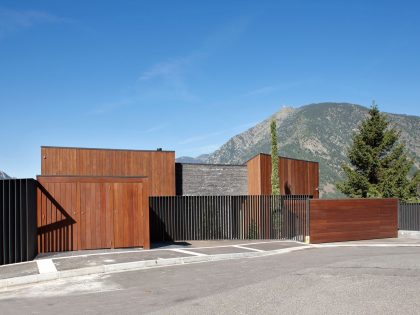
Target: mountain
x: 318, y: 132
x: 3, y: 175
x: 197, y: 160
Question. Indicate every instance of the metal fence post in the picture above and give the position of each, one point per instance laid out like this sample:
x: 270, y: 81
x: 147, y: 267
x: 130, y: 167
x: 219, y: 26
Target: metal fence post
x: 308, y: 221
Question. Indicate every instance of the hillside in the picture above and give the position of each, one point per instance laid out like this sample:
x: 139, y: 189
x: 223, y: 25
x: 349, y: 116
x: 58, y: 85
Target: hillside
x: 320, y: 132
x: 197, y: 160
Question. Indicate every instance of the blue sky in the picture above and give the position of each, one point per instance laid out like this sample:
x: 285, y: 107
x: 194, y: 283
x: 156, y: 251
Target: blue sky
x: 188, y: 75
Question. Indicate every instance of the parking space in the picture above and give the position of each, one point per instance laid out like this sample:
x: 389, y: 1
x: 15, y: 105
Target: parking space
x: 91, y: 260
x: 274, y: 245
x: 18, y: 270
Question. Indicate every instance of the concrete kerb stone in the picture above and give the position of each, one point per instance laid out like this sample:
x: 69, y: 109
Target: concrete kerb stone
x: 329, y: 245
x: 162, y: 262
x: 136, y: 265
x: 409, y: 234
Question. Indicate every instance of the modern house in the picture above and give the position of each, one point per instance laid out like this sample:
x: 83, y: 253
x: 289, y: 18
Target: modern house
x: 99, y: 198
x: 167, y: 178
x: 104, y: 198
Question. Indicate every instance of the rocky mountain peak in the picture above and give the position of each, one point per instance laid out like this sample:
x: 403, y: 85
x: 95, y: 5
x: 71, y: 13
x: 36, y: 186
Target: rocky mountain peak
x: 3, y: 175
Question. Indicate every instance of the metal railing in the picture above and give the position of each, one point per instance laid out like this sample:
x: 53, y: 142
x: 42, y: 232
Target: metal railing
x: 409, y: 216
x: 175, y: 218
x: 18, y: 230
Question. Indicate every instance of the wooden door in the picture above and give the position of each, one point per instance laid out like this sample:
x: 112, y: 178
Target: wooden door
x: 95, y: 215
x: 76, y: 213
x: 129, y: 208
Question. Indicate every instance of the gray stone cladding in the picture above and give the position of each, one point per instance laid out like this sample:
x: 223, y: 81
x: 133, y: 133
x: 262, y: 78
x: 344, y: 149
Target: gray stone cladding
x: 211, y: 179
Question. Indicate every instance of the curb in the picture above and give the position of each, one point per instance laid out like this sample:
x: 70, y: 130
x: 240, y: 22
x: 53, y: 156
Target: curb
x: 6, y: 284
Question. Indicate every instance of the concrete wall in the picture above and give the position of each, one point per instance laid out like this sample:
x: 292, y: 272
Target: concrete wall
x: 210, y: 179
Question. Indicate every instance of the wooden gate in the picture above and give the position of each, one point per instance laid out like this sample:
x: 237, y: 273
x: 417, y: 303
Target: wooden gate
x: 76, y: 213
x: 339, y: 220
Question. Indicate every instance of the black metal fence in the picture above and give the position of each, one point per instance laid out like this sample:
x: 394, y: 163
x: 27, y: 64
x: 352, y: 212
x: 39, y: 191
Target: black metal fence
x: 18, y: 234
x: 409, y: 216
x: 175, y: 218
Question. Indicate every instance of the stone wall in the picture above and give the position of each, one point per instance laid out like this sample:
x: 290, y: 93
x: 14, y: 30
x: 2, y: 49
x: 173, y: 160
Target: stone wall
x: 211, y: 179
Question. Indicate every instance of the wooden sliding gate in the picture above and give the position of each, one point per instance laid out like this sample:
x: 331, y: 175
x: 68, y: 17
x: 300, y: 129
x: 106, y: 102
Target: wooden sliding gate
x: 352, y: 219
x: 76, y: 213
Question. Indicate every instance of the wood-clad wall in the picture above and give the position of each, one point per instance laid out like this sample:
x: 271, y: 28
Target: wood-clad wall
x: 352, y: 219
x: 297, y: 177
x: 75, y: 213
x: 254, y: 175
x: 158, y: 166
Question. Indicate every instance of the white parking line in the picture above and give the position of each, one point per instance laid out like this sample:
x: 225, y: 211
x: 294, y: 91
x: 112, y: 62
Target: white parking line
x: 248, y: 248
x: 165, y: 248
x: 46, y: 266
x: 186, y: 252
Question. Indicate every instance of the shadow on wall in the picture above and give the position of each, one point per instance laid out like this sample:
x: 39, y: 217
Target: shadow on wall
x: 158, y: 228
x: 287, y: 188
x: 178, y: 179
x: 55, y: 225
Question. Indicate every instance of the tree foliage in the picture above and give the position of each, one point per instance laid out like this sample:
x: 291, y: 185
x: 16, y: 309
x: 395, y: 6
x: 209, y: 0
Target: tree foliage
x: 275, y: 186
x: 379, y: 164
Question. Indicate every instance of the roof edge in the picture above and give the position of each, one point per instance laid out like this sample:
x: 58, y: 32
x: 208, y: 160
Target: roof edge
x: 105, y: 149
x: 209, y: 164
x: 280, y: 156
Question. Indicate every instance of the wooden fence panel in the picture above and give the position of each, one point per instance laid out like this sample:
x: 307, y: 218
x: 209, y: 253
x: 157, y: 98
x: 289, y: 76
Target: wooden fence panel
x: 76, y: 213
x: 352, y: 219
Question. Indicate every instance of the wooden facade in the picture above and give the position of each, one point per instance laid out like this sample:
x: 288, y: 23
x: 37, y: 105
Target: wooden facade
x: 76, y: 213
x: 297, y: 177
x: 157, y: 166
x: 353, y: 219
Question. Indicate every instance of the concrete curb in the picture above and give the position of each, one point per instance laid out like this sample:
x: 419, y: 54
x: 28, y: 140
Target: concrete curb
x: 6, y: 284
x: 408, y: 234
x: 330, y: 245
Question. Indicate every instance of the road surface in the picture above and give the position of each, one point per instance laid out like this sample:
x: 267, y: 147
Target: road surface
x: 352, y: 280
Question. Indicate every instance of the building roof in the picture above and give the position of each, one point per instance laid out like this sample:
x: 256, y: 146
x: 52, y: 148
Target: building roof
x: 80, y: 148
x: 281, y: 156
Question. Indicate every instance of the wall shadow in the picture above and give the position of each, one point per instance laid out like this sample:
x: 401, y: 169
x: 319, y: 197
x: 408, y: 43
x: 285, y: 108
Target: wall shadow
x: 58, y: 233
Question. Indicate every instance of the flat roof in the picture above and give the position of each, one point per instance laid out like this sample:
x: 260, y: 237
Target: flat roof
x: 105, y: 149
x: 92, y: 176
x: 210, y: 164
x: 281, y: 156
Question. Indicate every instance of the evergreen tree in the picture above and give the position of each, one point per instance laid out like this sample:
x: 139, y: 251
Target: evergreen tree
x: 379, y: 164
x: 275, y: 186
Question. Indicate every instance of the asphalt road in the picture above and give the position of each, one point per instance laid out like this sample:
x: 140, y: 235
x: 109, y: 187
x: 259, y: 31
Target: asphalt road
x: 313, y: 281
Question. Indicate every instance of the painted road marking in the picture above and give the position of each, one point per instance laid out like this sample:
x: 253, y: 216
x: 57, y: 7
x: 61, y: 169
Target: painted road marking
x: 78, y: 254
x: 248, y: 248
x: 46, y: 266
x: 186, y: 252
x: 140, y: 250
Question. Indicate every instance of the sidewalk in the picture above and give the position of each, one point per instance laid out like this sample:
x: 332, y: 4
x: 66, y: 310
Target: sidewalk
x: 69, y: 264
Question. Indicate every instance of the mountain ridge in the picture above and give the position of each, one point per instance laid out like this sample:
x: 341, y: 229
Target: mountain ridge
x: 319, y: 131
x: 3, y: 175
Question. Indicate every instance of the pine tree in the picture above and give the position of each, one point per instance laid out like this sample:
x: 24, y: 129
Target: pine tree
x: 275, y: 186
x: 379, y: 163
